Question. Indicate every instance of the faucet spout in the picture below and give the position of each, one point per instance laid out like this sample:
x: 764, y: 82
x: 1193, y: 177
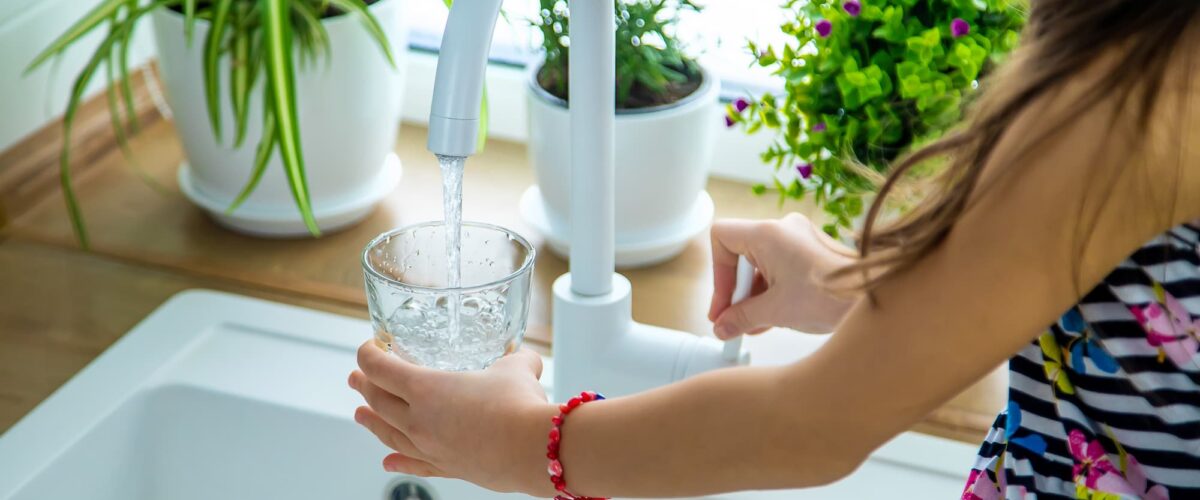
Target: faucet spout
x: 596, y: 342
x: 458, y: 84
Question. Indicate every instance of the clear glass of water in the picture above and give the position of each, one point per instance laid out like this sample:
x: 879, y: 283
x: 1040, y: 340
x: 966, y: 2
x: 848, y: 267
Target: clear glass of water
x: 413, y: 309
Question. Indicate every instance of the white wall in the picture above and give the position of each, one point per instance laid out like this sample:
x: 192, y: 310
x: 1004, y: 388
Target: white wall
x: 26, y: 27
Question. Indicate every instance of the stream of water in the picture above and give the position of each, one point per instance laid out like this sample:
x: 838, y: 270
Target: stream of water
x: 452, y: 177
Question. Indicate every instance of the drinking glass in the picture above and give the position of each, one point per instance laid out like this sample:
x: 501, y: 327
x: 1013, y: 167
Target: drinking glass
x: 412, y: 306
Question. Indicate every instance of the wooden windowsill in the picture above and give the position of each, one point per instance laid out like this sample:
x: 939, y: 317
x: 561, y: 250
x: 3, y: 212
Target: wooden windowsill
x: 60, y: 307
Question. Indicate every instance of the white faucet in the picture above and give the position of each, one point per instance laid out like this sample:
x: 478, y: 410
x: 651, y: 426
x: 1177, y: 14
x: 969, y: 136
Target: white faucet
x: 597, y: 345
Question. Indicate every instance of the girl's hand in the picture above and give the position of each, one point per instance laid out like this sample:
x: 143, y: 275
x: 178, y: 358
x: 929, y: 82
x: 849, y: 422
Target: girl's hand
x: 791, y: 255
x: 486, y: 427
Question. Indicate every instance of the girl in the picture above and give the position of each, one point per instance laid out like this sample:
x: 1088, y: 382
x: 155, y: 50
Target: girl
x: 1057, y: 239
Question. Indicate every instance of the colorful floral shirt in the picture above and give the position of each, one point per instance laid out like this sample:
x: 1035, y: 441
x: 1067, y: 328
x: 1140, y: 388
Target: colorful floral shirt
x: 1106, y: 403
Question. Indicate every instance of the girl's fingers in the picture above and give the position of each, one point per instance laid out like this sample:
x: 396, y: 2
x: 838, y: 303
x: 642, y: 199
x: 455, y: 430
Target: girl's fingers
x: 752, y: 315
x: 730, y: 238
x: 390, y: 372
x: 390, y: 436
x: 404, y: 464
x: 524, y: 359
x: 393, y: 409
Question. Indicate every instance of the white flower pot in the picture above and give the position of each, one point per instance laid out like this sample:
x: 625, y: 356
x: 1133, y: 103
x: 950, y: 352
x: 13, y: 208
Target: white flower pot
x: 662, y: 161
x: 349, y: 111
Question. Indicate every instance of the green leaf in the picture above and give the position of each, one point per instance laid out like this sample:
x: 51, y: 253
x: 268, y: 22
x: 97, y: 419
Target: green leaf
x: 242, y: 69
x: 854, y: 206
x: 795, y: 190
x: 114, y: 107
x: 102, y: 52
x: 81, y: 27
x: 371, y: 23
x: 767, y: 57
x: 316, y: 30
x: 64, y: 159
x: 769, y: 117
x: 119, y: 132
x: 281, y: 90
x: 189, y: 19
x: 262, y: 155
x: 212, y: 56
x: 123, y: 64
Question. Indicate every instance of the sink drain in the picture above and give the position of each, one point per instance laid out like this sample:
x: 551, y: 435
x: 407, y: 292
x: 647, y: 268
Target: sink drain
x: 409, y: 488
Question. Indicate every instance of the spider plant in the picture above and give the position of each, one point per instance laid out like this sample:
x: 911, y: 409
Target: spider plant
x: 254, y: 37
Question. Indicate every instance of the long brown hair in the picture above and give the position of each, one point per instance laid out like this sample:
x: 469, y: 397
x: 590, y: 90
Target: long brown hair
x: 1062, y: 39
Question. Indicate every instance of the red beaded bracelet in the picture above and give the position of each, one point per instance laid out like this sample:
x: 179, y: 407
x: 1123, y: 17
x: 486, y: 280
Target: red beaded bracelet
x: 556, y: 468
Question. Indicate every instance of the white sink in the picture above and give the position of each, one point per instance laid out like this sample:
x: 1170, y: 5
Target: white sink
x: 216, y: 396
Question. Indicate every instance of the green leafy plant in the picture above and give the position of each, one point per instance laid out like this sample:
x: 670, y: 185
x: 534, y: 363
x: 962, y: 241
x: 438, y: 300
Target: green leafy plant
x: 254, y: 37
x: 652, y: 67
x: 863, y: 82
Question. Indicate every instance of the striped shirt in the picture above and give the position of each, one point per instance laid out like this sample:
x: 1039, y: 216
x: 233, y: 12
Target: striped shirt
x: 1106, y: 402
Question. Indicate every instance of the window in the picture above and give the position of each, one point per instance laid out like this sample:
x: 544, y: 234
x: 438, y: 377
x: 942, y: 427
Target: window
x: 717, y: 35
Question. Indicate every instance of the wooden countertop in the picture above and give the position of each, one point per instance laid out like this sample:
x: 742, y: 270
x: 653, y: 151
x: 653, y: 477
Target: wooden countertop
x: 61, y: 307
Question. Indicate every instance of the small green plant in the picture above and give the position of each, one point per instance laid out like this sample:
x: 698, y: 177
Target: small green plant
x: 255, y: 37
x: 652, y: 66
x: 864, y: 81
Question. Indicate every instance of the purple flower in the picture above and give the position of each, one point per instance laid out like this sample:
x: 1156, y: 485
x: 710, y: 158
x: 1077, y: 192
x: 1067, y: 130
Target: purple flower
x: 728, y: 121
x: 805, y: 170
x: 824, y: 28
x: 959, y: 27
x: 820, y: 127
x: 853, y: 7
x: 740, y: 104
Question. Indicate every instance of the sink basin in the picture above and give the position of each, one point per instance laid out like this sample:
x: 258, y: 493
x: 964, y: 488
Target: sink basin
x: 220, y: 396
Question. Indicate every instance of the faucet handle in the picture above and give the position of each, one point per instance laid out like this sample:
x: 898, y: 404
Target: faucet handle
x: 741, y: 290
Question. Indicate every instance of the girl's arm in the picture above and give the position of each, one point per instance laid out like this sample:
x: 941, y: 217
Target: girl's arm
x: 1019, y: 257
x: 1013, y: 264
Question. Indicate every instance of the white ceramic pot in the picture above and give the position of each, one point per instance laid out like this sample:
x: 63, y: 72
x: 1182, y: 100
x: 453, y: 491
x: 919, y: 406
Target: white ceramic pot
x: 349, y: 111
x: 662, y: 161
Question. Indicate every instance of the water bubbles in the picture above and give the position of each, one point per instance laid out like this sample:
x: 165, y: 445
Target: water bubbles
x: 410, y: 312
x: 416, y: 328
x: 471, y: 306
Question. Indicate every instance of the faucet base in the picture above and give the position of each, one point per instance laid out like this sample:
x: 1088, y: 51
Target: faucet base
x: 598, y: 346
